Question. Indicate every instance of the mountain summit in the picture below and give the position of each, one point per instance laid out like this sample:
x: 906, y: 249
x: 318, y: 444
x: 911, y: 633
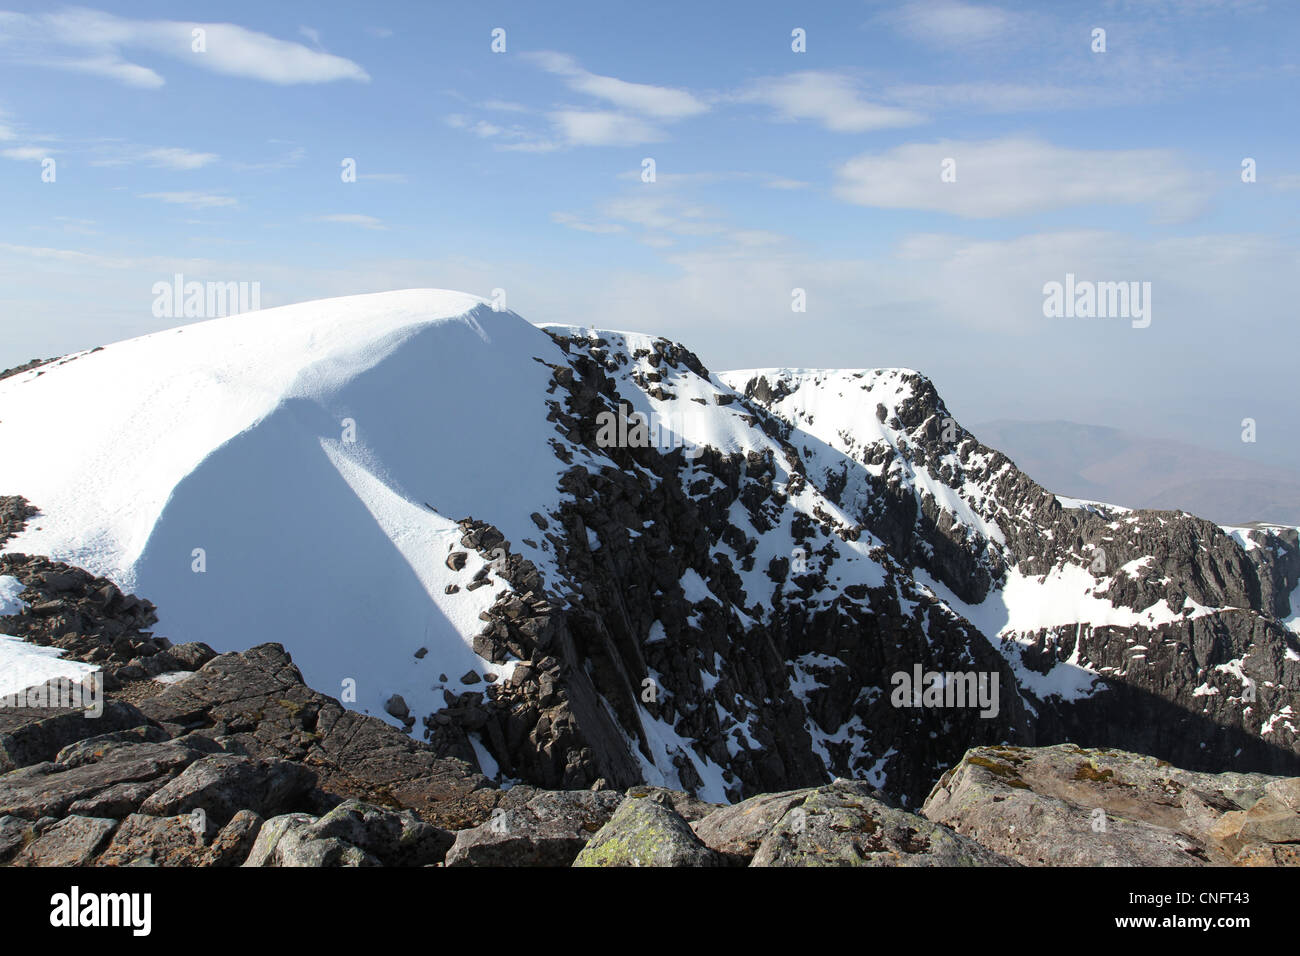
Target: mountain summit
x: 575, y: 555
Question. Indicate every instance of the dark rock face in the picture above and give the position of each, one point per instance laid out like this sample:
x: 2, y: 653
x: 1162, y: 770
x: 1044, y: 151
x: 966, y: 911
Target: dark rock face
x: 716, y: 667
x: 1209, y: 687
x: 784, y: 680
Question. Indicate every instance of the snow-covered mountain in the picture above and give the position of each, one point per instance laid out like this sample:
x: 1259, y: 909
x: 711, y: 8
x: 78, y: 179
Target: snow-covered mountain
x: 453, y: 517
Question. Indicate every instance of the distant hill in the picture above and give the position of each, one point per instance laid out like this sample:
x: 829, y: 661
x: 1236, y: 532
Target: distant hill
x: 1108, y: 464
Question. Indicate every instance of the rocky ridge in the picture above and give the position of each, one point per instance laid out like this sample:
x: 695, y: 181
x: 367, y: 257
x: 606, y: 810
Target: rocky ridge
x: 240, y: 764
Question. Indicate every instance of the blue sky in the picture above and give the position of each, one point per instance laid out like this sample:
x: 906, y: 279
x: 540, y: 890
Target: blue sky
x: 775, y: 170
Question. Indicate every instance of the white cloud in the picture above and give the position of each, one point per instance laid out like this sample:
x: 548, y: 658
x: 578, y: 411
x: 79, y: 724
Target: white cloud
x: 91, y: 41
x: 1017, y: 176
x: 194, y: 200
x: 176, y: 158
x: 604, y: 128
x: 830, y: 99
x: 25, y: 153
x: 661, y: 102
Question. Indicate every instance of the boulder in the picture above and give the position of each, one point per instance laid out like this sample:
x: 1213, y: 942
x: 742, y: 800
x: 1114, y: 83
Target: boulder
x: 95, y: 748
x: 395, y: 838
x: 232, y: 845
x: 549, y: 830
x: 646, y: 832
x: 735, y: 832
x: 286, y: 841
x: 223, y: 784
x: 843, y: 825
x: 73, y: 841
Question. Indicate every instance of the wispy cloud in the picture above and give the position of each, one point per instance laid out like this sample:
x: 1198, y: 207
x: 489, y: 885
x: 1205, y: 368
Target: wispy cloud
x: 195, y: 200
x: 352, y: 219
x: 166, y: 157
x: 830, y: 99
x: 1016, y: 177
x: 660, y: 102
x: 638, y: 114
x: 25, y: 152
x: 951, y: 23
x: 573, y: 222
x: 91, y: 41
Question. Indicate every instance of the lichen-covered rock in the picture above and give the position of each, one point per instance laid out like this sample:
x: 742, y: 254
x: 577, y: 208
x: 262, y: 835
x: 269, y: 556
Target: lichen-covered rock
x: 73, y: 841
x: 842, y: 825
x: 144, y: 840
x: 15, y: 833
x: 232, y: 845
x: 645, y: 832
x: 549, y: 830
x: 1065, y: 805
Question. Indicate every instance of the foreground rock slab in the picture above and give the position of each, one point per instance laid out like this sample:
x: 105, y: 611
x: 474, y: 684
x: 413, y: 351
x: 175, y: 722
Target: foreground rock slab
x: 844, y: 825
x: 1064, y: 805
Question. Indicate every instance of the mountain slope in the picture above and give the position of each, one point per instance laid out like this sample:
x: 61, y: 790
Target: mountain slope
x: 451, y: 515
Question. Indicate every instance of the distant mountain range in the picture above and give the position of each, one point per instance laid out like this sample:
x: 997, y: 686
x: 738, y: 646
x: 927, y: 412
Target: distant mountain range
x: 1109, y: 464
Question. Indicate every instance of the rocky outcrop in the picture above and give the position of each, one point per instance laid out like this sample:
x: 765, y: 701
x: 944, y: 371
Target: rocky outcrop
x: 354, y: 833
x: 87, y: 617
x: 1066, y: 805
x: 841, y: 825
x: 646, y: 832
x: 549, y: 830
